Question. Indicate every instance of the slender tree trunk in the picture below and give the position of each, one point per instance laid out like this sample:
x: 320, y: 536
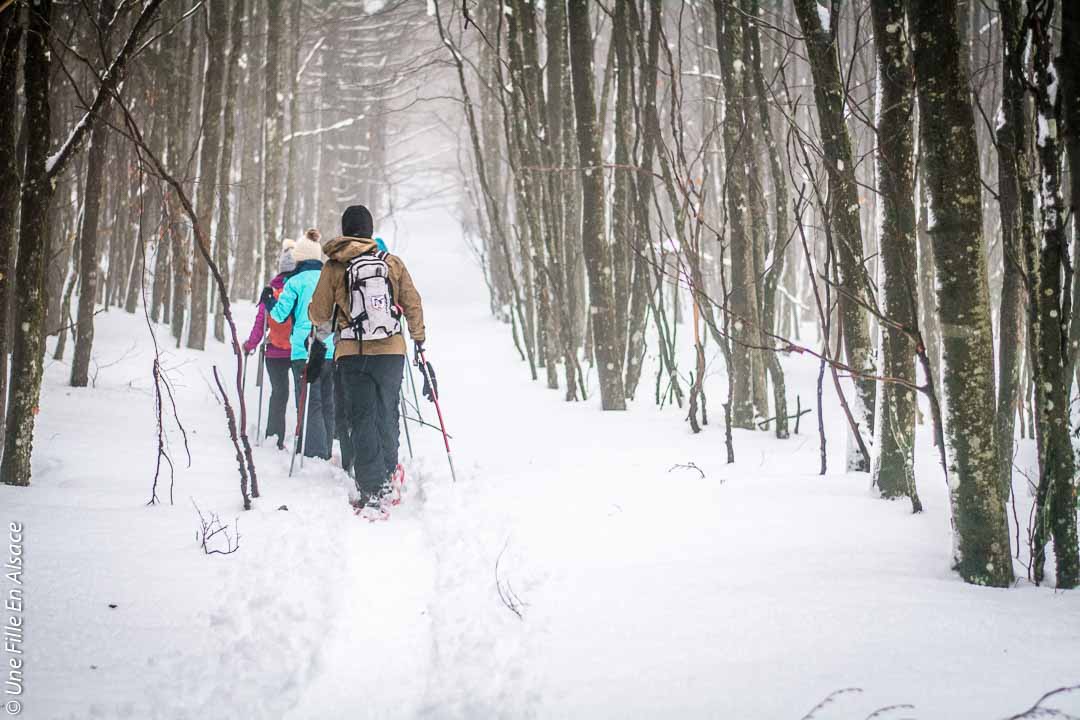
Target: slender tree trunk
x: 648, y: 56
x: 947, y: 129
x: 843, y: 210
x: 289, y: 215
x: 741, y: 298
x: 224, y: 226
x: 928, y: 315
x: 273, y: 138
x: 180, y: 93
x: 206, y: 190
x: 598, y: 262
x: 775, y: 271
x: 88, y: 254
x: 1069, y: 72
x: 11, y: 35
x: 894, y: 470
x: 37, y: 189
x: 1013, y: 171
x: 249, y: 236
x: 1056, y: 495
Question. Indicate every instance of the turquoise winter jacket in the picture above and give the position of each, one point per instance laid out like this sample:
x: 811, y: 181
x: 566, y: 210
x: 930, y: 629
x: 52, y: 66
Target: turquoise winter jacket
x: 294, y: 300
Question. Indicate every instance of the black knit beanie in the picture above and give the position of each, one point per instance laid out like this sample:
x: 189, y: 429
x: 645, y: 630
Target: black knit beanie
x: 356, y: 222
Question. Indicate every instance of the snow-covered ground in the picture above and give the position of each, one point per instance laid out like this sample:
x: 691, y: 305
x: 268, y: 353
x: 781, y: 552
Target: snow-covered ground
x: 751, y: 590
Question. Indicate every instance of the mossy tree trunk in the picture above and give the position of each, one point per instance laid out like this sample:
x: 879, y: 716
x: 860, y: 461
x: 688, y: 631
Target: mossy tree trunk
x: 951, y: 163
x: 1055, y: 499
x: 894, y: 473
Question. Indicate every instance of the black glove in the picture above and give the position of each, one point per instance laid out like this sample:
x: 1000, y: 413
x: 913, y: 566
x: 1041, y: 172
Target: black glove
x: 316, y: 360
x: 267, y: 299
x: 431, y: 385
x: 418, y: 349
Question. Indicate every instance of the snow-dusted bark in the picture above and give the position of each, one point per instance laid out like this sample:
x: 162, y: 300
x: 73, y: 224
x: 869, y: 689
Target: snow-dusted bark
x: 951, y: 163
x: 88, y: 236
x: 1068, y: 68
x: 1055, y: 499
x: 843, y: 206
x: 894, y: 468
x: 774, y: 270
x: 1017, y: 226
x: 11, y: 37
x: 37, y: 191
x: 597, y: 254
x: 742, y: 299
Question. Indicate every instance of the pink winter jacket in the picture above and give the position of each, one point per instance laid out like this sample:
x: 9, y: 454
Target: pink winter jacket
x: 257, y: 330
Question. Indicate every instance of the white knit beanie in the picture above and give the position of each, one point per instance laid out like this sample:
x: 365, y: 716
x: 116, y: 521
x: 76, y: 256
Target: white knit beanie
x: 286, y: 261
x: 305, y: 249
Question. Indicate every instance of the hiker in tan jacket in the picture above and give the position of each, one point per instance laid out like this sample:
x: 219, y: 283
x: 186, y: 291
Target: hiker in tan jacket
x: 369, y: 350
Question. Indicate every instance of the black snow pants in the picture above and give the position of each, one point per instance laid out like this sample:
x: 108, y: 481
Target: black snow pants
x: 278, y: 370
x: 341, y: 421
x: 370, y: 386
x: 319, y: 439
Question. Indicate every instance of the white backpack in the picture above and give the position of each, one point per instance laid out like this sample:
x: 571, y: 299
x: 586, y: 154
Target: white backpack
x: 372, y: 312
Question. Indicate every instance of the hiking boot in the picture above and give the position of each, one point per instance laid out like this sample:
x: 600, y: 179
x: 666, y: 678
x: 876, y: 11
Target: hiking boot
x: 374, y: 509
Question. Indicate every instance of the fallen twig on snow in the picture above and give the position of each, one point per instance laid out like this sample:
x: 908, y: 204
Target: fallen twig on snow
x: 506, y: 593
x: 1038, y: 711
x: 688, y: 466
x: 209, y: 529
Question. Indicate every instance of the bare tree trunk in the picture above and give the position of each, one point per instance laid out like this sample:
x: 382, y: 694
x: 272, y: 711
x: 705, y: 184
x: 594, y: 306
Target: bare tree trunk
x: 641, y: 299
x: 951, y: 163
x: 598, y: 262
x: 249, y: 235
x: 928, y: 315
x: 273, y: 138
x: 742, y: 301
x: 289, y: 213
x: 225, y: 227
x: 774, y: 273
x: 1056, y: 494
x: 206, y: 188
x: 1013, y: 184
x: 1069, y: 71
x: 88, y: 254
x: 894, y: 473
x: 11, y: 34
x: 29, y: 346
x: 180, y: 93
x: 843, y: 210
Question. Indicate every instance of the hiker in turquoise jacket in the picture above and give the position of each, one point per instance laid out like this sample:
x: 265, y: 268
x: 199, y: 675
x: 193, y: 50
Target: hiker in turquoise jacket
x: 293, y: 302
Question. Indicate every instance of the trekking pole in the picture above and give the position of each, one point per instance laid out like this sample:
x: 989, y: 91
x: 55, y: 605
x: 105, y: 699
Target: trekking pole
x: 259, y: 383
x: 300, y: 412
x: 438, y: 411
x: 412, y: 384
x: 405, y: 418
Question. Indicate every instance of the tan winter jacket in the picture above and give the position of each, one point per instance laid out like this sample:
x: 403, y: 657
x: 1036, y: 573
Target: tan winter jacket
x: 331, y: 291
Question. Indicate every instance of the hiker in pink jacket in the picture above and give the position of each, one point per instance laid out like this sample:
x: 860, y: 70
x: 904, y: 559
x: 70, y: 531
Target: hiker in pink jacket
x: 278, y: 348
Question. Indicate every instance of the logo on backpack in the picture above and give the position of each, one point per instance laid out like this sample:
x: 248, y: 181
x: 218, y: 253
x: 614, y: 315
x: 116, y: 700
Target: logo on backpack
x: 372, y: 312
